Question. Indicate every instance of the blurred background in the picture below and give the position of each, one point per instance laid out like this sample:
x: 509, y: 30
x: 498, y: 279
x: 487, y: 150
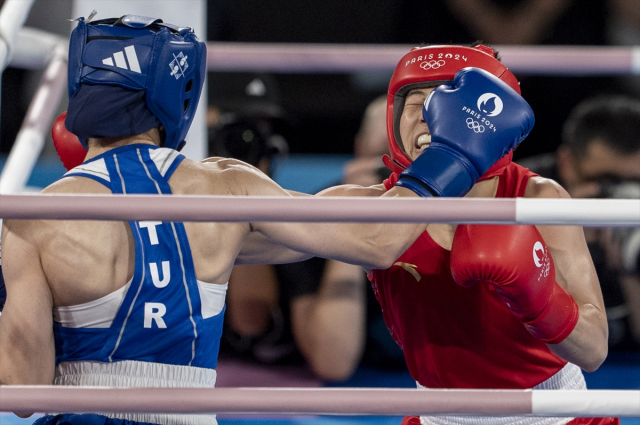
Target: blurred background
x: 320, y: 113
x: 310, y: 130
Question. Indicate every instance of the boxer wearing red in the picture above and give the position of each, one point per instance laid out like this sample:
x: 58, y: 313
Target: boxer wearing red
x: 501, y: 257
x: 467, y: 337
x: 446, y: 330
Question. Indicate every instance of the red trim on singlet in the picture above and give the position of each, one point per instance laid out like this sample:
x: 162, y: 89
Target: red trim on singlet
x: 594, y: 421
x: 415, y: 420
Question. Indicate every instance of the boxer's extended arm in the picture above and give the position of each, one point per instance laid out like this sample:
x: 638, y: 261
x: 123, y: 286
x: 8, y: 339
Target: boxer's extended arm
x: 259, y: 249
x: 371, y: 245
x: 256, y: 245
x: 586, y: 346
x: 27, y: 355
x: 347, y: 242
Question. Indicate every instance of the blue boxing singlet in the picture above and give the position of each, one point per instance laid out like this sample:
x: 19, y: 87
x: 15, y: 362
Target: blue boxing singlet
x: 163, y: 328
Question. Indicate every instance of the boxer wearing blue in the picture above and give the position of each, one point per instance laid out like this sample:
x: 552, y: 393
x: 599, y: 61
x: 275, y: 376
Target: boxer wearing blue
x: 140, y: 304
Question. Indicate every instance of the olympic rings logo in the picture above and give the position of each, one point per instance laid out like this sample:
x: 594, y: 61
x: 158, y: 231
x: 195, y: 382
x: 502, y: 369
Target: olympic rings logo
x: 475, y: 125
x: 433, y: 64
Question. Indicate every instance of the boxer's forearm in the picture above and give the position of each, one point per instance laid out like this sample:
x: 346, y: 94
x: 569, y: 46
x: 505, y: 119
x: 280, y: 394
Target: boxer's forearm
x: 586, y: 346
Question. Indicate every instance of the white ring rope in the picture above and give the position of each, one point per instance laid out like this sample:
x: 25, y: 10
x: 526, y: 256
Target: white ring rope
x: 13, y: 15
x: 37, y: 123
x: 309, y: 58
x: 587, y: 212
x: 326, y: 401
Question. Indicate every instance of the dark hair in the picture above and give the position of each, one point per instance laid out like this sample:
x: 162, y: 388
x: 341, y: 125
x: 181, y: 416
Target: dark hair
x: 613, y: 119
x: 496, y: 54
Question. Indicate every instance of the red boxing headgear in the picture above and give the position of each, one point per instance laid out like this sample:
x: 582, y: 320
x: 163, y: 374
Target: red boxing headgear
x: 433, y: 65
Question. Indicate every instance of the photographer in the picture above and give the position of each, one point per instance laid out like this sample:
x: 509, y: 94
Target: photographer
x: 600, y: 158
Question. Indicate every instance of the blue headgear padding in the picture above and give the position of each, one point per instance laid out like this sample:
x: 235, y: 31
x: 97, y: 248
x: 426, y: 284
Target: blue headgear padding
x: 140, y: 53
x: 108, y: 111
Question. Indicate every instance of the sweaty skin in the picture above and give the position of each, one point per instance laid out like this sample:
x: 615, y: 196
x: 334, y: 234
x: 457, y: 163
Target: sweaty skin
x: 48, y: 263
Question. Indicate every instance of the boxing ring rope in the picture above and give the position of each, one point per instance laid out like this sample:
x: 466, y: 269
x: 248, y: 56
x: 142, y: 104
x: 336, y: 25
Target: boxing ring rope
x: 323, y: 401
x: 13, y: 15
x: 587, y: 212
x: 529, y: 60
x: 36, y: 125
x: 334, y: 58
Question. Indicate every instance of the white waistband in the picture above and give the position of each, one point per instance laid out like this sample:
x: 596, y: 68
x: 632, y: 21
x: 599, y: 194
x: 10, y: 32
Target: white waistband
x: 130, y: 373
x: 568, y: 378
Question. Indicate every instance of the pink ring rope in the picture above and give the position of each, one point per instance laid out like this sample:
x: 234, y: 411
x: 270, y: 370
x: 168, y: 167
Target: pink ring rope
x: 588, y: 212
x: 326, y: 401
x: 526, y: 60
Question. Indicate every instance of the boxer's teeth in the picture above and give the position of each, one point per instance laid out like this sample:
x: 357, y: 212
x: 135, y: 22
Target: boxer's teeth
x: 424, y: 140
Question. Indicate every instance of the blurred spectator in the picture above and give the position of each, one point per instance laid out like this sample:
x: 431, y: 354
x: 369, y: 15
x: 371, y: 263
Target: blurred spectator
x: 521, y: 22
x: 369, y: 145
x: 320, y: 312
x: 600, y: 158
x: 344, y: 291
x: 623, y: 23
x: 623, y: 29
x: 273, y: 310
x: 513, y: 22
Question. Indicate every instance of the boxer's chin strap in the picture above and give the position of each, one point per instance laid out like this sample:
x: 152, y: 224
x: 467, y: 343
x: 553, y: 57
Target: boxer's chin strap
x: 395, y: 168
x: 495, y: 170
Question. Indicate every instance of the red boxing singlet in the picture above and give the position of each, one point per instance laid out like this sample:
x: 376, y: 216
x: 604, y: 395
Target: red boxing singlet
x: 455, y: 337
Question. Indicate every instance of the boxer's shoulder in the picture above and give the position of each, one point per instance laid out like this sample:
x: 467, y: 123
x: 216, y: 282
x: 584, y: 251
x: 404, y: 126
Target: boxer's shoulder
x: 541, y: 187
x: 75, y: 184
x: 221, y: 176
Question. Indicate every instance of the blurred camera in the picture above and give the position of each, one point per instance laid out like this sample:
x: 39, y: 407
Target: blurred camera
x: 628, y: 238
x: 243, y: 139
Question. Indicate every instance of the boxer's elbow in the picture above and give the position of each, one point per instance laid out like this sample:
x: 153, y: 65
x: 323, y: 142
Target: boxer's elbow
x: 597, y: 356
x: 597, y: 335
x: 380, y: 245
x: 587, y: 346
x: 381, y: 256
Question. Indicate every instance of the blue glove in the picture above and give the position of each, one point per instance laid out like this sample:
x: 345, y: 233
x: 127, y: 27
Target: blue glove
x: 474, y: 121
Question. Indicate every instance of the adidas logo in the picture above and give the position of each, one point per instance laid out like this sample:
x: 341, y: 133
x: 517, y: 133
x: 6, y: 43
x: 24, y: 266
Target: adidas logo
x: 120, y: 61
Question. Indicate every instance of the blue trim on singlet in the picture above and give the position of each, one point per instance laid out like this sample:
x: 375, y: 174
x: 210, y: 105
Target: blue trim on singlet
x: 160, y: 318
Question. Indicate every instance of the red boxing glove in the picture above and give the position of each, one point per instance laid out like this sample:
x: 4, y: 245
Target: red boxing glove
x: 517, y: 263
x: 69, y: 148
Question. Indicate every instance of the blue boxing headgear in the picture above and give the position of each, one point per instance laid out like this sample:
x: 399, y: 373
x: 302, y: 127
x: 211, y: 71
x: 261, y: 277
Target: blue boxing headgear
x: 138, y: 53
